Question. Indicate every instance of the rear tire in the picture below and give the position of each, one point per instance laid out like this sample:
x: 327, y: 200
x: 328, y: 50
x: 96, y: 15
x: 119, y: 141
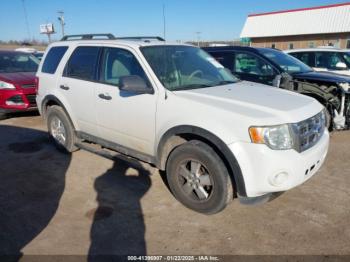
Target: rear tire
x: 61, y: 129
x: 198, y: 178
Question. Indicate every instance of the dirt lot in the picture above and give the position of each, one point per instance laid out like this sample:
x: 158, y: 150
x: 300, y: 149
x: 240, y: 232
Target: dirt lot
x: 54, y: 203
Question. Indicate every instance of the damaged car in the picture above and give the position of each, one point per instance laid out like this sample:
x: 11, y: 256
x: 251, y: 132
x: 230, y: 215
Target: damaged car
x: 275, y: 68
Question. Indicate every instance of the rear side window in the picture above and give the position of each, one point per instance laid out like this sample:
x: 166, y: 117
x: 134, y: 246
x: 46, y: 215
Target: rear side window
x: 82, y: 63
x: 53, y: 58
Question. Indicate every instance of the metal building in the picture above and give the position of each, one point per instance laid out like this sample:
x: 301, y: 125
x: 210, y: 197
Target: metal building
x: 300, y: 28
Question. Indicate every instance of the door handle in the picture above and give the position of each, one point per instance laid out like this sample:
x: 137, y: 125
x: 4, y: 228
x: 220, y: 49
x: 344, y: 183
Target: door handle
x: 64, y: 87
x: 105, y: 96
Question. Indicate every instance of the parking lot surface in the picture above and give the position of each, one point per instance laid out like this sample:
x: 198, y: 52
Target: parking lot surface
x: 55, y: 203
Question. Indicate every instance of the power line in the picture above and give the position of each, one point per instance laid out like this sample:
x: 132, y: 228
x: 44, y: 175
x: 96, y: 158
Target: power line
x: 26, y: 20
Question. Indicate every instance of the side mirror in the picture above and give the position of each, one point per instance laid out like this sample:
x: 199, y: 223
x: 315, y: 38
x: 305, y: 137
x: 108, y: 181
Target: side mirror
x: 276, y: 82
x: 341, y: 66
x: 134, y: 84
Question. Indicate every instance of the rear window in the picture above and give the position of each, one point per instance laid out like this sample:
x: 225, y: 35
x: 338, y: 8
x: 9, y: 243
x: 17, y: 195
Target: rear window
x: 53, y: 58
x: 82, y: 63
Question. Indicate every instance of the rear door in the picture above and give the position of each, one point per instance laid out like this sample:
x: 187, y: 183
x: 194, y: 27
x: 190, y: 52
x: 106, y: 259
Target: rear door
x: 77, y: 86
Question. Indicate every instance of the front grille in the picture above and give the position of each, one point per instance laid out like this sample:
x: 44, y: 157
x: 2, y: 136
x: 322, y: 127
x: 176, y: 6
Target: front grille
x: 308, y: 132
x: 31, y: 100
x: 28, y: 86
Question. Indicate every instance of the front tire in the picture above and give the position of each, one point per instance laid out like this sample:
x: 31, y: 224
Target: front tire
x: 198, y: 178
x: 3, y: 116
x: 60, y: 129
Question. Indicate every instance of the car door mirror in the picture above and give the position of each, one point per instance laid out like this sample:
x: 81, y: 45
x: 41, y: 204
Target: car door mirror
x: 341, y: 66
x: 276, y: 82
x: 134, y: 84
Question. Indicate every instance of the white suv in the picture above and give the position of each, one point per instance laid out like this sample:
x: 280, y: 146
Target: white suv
x: 324, y: 59
x: 177, y: 108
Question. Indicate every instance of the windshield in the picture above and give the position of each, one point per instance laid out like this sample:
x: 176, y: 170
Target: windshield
x: 186, y: 67
x: 13, y: 62
x: 288, y: 63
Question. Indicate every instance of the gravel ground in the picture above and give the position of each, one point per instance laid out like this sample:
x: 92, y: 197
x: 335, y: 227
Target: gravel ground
x: 54, y: 203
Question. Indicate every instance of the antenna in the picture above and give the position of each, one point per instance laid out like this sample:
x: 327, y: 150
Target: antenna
x: 164, y: 25
x: 26, y: 20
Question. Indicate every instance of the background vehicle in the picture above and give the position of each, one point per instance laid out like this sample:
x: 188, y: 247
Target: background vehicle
x: 176, y: 107
x: 33, y: 51
x: 324, y: 59
x: 17, y: 82
x: 275, y: 68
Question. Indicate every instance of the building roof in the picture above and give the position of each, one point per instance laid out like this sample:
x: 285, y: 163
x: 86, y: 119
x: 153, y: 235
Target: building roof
x: 315, y: 20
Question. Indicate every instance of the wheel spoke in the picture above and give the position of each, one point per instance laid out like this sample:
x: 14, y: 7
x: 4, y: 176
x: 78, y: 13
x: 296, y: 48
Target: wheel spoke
x: 184, y: 172
x: 195, y: 167
x: 201, y: 193
x: 204, y: 180
x: 187, y: 188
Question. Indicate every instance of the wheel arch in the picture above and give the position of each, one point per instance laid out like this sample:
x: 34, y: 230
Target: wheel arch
x: 181, y: 134
x: 51, y: 100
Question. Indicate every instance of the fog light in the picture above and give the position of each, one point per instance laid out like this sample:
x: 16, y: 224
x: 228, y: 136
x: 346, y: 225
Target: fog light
x: 278, y: 179
x: 15, y: 101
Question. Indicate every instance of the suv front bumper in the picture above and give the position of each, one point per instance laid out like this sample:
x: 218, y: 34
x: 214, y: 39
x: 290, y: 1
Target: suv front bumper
x: 265, y: 170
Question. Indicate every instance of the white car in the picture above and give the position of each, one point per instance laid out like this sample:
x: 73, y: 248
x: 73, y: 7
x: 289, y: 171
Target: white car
x: 324, y: 59
x: 175, y: 107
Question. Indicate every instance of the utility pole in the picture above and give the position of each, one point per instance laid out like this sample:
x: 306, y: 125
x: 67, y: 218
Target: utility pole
x: 26, y: 20
x: 198, y: 37
x: 61, y: 19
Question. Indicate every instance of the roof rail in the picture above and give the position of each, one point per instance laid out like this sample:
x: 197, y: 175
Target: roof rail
x: 88, y: 37
x: 141, y: 38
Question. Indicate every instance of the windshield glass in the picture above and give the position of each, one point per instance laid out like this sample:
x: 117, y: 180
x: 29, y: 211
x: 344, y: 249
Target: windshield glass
x: 288, y: 63
x: 13, y: 62
x: 186, y: 67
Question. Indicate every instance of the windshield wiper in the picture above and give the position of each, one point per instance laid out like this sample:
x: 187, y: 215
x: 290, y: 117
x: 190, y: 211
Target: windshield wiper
x: 192, y: 86
x: 226, y: 82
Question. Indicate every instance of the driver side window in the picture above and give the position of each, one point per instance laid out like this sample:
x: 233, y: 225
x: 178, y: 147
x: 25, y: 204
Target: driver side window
x: 250, y: 64
x: 118, y: 63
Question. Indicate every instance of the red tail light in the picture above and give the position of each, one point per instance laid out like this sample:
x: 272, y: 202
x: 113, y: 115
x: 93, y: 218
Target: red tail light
x: 36, y: 81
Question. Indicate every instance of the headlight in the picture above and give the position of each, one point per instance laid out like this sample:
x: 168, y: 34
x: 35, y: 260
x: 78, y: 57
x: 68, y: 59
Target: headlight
x: 326, y: 118
x: 345, y: 86
x: 275, y: 137
x: 5, y: 85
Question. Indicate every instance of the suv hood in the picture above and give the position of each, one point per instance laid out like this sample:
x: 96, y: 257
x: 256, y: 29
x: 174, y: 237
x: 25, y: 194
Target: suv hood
x: 322, y: 76
x: 268, y: 104
x: 18, y: 78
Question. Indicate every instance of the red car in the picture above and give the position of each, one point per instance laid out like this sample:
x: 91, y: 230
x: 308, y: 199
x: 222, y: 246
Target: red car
x: 17, y: 82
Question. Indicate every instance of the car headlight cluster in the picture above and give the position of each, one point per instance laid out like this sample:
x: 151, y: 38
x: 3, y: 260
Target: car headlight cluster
x: 299, y: 136
x: 5, y: 85
x: 276, y: 137
x: 345, y: 86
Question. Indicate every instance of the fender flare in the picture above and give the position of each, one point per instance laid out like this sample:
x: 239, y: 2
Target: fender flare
x: 57, y: 101
x: 223, y: 150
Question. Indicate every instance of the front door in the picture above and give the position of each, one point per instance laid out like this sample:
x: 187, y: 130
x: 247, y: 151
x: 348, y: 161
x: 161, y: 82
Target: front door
x: 124, y: 118
x: 252, y: 68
